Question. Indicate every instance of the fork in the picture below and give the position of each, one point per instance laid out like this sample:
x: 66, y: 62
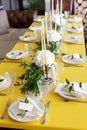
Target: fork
x: 6, y: 108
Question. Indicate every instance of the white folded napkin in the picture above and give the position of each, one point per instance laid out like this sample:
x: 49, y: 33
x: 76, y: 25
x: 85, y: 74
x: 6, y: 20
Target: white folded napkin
x: 35, y: 27
x: 76, y: 57
x: 22, y: 110
x: 76, y: 91
x: 22, y: 55
x: 36, y: 105
x: 3, y: 81
x: 75, y: 29
x: 74, y: 19
x: 27, y: 38
x: 39, y: 19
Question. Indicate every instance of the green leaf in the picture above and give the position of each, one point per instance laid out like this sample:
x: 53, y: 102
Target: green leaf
x: 32, y: 75
x: 1, y: 80
x: 70, y: 88
x: 20, y: 114
x: 80, y: 55
x: 67, y: 81
x: 80, y: 84
x: 26, y: 100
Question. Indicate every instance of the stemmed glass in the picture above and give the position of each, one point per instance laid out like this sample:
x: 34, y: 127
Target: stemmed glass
x: 59, y: 66
x: 45, y: 86
x: 12, y: 78
x: 29, y: 49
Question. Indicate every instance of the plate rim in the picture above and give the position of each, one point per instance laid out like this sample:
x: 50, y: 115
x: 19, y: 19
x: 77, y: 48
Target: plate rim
x: 31, y: 39
x: 19, y: 120
x: 7, y: 86
x: 60, y: 92
x: 70, y: 41
x: 84, y: 58
x: 7, y: 55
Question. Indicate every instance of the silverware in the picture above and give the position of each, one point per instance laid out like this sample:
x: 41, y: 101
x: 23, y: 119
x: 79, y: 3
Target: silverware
x: 45, y: 112
x: 67, y: 100
x: 6, y: 108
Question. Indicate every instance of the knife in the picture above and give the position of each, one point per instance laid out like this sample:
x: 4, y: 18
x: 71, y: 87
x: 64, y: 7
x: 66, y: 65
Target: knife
x: 6, y: 108
x: 45, y: 112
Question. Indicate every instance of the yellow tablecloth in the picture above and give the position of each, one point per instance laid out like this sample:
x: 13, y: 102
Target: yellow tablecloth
x: 62, y: 115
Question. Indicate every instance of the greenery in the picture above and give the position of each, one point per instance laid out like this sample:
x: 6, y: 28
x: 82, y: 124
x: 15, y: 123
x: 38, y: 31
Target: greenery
x: 32, y: 74
x: 1, y: 80
x: 70, y: 85
x: 52, y: 47
x: 33, y: 5
x: 57, y: 27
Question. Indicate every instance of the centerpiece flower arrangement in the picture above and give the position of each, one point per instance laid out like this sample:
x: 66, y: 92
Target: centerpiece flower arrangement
x: 41, y: 71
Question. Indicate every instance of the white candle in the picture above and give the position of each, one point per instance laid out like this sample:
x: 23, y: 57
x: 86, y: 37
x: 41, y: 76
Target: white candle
x: 46, y: 17
x: 44, y: 50
x: 43, y: 60
x: 52, y: 8
x: 50, y: 21
x: 57, y: 6
x: 61, y: 7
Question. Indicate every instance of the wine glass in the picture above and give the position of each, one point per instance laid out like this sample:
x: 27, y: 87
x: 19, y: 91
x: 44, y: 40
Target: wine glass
x: 12, y: 77
x: 28, y: 48
x: 44, y: 86
x: 59, y: 66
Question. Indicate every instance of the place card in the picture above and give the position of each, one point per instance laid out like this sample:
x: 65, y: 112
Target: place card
x: 25, y: 106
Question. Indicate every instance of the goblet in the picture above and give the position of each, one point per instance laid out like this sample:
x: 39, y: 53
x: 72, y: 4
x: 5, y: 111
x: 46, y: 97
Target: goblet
x: 44, y: 86
x: 29, y: 49
x: 12, y: 77
x: 59, y: 66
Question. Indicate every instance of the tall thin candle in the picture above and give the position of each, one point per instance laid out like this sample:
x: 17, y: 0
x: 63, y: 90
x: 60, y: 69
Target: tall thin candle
x: 52, y: 8
x: 57, y: 6
x: 61, y: 4
x: 46, y: 29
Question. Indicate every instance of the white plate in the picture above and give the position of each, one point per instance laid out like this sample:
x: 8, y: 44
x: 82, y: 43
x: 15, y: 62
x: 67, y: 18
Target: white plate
x: 5, y: 83
x: 34, y: 115
x: 73, y: 39
x: 27, y: 38
x: 63, y: 93
x: 17, y: 54
x: 75, y: 30
x: 34, y: 28
x: 68, y: 60
x: 38, y: 19
x: 75, y: 19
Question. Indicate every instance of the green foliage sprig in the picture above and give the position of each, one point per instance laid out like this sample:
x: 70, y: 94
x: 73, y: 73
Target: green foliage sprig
x: 33, y: 4
x: 52, y: 47
x: 70, y: 85
x: 58, y: 28
x: 32, y: 74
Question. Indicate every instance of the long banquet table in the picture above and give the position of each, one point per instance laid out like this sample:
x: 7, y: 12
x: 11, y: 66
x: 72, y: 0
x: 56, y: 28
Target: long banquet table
x: 62, y: 115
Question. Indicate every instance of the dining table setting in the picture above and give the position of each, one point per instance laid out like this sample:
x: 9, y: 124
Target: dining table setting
x: 43, y: 79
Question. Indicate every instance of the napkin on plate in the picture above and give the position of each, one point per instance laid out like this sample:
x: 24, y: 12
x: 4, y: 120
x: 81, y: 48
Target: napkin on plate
x: 26, y: 110
x: 77, y: 90
x: 27, y: 38
x: 5, y: 81
x: 75, y: 57
x: 76, y: 38
x: 22, y: 55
